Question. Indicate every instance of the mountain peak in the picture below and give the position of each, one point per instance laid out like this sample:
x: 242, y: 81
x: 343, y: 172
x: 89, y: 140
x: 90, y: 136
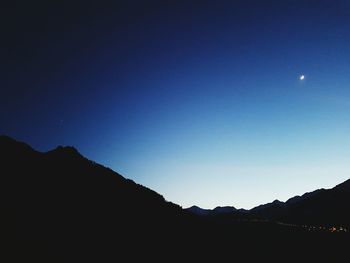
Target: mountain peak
x: 276, y: 202
x: 217, y: 210
x: 198, y: 211
x: 70, y: 149
x: 66, y: 150
x: 224, y: 209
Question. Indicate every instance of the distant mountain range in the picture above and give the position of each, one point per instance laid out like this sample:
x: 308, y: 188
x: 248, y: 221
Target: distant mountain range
x: 323, y: 207
x: 61, y: 207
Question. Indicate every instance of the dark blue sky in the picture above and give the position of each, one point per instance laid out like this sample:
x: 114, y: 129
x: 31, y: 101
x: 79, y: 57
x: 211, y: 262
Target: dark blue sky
x: 198, y: 100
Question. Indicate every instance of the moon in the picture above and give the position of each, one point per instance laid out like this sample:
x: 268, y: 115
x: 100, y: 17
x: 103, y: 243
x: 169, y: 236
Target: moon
x: 302, y: 77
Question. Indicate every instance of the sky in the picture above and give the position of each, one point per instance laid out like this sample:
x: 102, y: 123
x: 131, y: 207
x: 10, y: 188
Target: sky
x: 200, y: 101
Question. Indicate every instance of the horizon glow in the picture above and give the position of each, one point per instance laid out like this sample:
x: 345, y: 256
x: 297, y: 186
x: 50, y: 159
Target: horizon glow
x: 236, y: 103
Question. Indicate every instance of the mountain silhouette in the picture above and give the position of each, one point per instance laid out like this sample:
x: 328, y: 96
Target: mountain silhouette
x: 323, y: 207
x: 62, y: 207
x: 224, y: 209
x: 198, y: 211
x: 60, y: 196
x: 217, y: 210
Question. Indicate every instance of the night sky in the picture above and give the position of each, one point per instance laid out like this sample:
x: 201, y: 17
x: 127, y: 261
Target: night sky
x: 201, y: 101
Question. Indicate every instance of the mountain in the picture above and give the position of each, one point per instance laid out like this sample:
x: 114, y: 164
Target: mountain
x: 224, y: 209
x: 198, y: 211
x: 59, y: 206
x: 323, y: 207
x: 60, y: 197
x: 217, y: 210
x: 269, y: 210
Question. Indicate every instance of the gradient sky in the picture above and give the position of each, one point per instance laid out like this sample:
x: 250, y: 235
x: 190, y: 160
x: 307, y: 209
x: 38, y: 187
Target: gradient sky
x: 198, y: 100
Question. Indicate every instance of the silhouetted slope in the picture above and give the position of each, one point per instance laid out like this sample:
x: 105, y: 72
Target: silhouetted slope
x: 323, y: 207
x: 66, y: 208
x: 198, y: 211
x: 217, y: 210
x: 61, y: 197
x: 64, y: 187
x: 269, y: 210
x: 224, y: 209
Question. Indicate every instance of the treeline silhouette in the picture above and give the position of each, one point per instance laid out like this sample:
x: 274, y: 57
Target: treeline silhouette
x: 62, y: 207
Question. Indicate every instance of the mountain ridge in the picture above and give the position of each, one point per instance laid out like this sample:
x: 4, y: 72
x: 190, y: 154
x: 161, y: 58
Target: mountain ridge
x: 68, y: 206
x: 295, y: 210
x: 322, y: 207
